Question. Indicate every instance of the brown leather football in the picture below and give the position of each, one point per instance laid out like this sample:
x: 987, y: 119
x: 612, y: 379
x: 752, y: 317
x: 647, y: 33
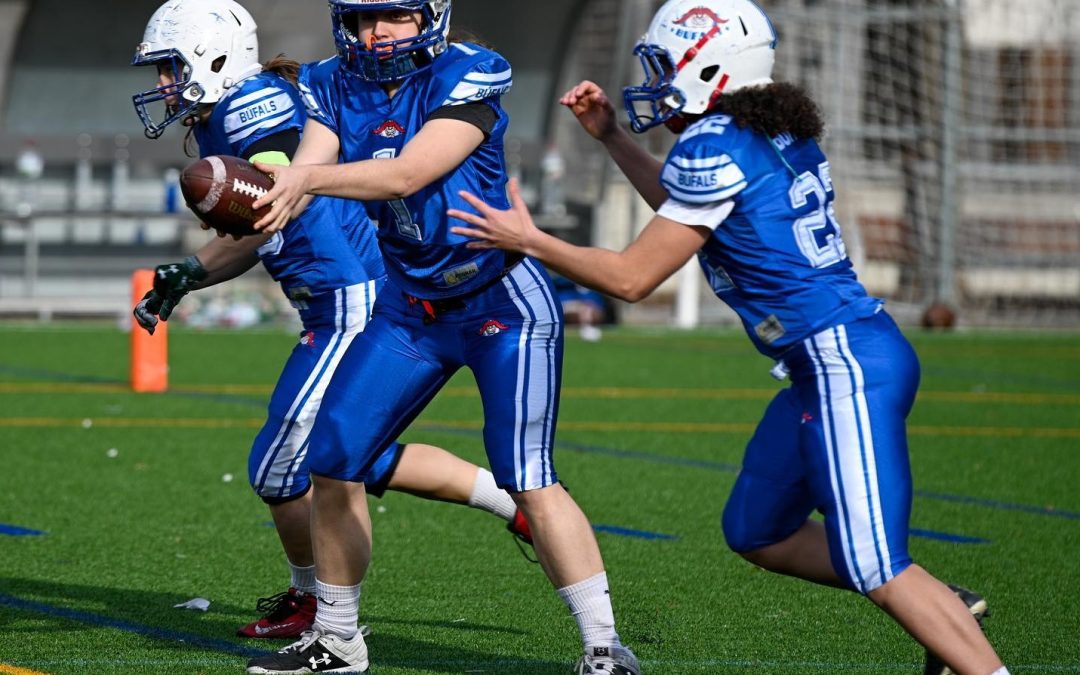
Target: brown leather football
x: 221, y: 189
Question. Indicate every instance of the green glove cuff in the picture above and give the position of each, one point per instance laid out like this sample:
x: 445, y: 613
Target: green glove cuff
x: 176, y: 279
x: 194, y: 269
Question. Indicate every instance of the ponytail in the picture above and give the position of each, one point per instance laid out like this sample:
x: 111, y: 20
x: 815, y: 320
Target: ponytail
x: 284, y: 68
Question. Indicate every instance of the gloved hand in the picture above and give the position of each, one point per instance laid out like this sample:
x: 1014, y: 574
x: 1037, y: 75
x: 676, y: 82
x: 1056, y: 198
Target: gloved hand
x: 171, y: 283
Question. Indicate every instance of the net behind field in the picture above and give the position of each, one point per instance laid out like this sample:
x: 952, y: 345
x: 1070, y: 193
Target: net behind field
x: 953, y: 138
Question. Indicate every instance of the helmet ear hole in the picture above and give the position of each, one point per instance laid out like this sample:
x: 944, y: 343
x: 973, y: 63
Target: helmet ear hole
x: 707, y: 74
x: 218, y: 64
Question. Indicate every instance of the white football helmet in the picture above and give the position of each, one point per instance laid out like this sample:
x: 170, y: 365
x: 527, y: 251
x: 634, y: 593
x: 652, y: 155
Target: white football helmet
x: 190, y: 36
x: 397, y: 59
x: 696, y: 50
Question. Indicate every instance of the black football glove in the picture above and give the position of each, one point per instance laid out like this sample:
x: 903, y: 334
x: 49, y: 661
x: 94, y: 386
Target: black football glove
x: 171, y: 283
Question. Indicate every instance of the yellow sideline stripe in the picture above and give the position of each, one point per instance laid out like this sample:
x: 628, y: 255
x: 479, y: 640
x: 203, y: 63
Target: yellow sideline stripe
x: 612, y: 393
x: 569, y: 425
x: 12, y: 670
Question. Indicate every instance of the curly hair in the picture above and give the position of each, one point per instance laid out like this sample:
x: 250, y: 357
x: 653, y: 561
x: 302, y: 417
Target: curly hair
x: 773, y: 109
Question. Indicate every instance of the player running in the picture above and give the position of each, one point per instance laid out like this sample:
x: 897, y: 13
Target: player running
x: 748, y: 191
x: 328, y: 264
x: 417, y: 118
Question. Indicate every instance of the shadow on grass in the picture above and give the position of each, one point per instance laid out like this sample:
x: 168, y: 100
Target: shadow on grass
x: 184, y: 634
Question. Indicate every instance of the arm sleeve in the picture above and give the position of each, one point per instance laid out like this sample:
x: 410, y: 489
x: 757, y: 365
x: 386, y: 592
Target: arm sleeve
x: 317, y: 90
x: 701, y: 173
x: 251, y: 117
x: 480, y: 115
x: 278, y: 148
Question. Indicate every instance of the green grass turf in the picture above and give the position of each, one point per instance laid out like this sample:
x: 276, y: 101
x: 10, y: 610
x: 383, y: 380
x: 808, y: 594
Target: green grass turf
x: 998, y: 420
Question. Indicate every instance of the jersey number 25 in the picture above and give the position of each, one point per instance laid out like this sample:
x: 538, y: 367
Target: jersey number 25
x: 818, y: 234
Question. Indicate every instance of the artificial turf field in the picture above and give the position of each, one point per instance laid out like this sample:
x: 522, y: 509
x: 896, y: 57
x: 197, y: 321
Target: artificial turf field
x: 96, y: 550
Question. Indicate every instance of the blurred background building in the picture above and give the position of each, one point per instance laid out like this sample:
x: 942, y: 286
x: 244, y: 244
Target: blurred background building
x: 954, y: 137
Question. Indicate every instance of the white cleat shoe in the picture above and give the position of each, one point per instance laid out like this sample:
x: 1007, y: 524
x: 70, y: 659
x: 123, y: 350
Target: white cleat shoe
x: 315, y: 652
x: 617, y: 660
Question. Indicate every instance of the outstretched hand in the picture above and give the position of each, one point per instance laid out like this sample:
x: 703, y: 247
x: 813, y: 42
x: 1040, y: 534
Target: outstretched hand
x: 592, y: 108
x: 290, y: 187
x: 511, y: 230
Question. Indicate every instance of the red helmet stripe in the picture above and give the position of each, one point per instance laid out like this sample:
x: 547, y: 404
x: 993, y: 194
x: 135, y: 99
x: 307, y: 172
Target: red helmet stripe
x: 693, y: 51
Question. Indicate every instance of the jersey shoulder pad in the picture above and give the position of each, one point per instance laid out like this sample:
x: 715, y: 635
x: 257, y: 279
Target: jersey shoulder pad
x: 468, y: 73
x: 318, y: 85
x: 261, y: 106
x: 700, y: 169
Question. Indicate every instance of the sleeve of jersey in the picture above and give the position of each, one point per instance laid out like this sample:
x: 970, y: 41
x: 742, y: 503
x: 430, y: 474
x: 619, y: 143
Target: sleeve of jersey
x: 317, y: 91
x: 257, y: 112
x: 700, y: 173
x: 476, y: 74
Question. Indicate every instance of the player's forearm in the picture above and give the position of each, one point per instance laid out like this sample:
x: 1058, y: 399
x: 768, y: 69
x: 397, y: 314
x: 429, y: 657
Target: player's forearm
x: 225, y: 259
x: 639, y: 167
x: 373, y: 179
x: 606, y: 271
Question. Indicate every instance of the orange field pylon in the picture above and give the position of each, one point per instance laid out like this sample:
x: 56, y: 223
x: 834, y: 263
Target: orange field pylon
x: 149, y: 353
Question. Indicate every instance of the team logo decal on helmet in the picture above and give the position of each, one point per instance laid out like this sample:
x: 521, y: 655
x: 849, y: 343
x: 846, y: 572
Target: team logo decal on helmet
x: 391, y: 60
x: 694, y: 51
x: 696, y: 23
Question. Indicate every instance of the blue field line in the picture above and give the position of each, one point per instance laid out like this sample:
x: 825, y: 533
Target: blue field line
x: 945, y: 536
x: 638, y: 534
x: 995, y: 504
x: 577, y: 447
x: 16, y: 531
x: 129, y: 627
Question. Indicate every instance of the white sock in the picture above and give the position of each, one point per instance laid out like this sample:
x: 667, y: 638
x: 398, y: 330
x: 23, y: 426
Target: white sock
x: 590, y: 603
x: 1001, y: 671
x: 303, y: 578
x: 488, y: 496
x: 339, y: 609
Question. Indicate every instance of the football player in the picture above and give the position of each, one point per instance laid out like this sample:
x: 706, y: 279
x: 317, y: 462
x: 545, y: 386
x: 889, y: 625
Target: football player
x: 416, y: 118
x: 747, y: 190
x: 210, y: 80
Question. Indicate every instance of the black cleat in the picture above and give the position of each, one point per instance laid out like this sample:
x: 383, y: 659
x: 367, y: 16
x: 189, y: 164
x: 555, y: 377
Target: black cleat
x: 979, y: 609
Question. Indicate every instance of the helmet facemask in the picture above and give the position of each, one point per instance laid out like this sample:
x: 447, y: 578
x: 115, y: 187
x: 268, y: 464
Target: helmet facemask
x: 657, y: 99
x: 393, y: 60
x: 186, y: 95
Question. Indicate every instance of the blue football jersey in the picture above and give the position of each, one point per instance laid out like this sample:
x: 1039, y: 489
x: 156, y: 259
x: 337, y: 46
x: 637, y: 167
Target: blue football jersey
x: 332, y: 244
x: 777, y: 258
x: 420, y: 253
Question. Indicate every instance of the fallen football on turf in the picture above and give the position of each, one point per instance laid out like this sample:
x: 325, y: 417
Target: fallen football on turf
x: 221, y: 189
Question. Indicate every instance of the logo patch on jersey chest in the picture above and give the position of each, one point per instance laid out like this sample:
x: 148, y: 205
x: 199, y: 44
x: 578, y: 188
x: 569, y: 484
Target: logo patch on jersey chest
x: 389, y: 129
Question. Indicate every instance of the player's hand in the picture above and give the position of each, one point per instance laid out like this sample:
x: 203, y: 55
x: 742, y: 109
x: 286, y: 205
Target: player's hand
x: 146, y: 311
x: 592, y: 108
x: 171, y: 283
x: 512, y: 230
x: 290, y: 186
x: 220, y: 234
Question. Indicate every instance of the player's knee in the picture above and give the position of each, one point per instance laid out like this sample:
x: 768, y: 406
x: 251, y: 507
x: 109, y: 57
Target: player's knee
x: 738, y: 532
x: 300, y: 490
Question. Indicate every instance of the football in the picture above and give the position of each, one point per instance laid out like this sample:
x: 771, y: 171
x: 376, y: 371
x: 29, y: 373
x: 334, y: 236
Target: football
x: 221, y: 189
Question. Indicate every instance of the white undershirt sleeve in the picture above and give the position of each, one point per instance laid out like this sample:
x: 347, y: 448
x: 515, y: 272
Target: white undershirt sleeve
x: 704, y: 215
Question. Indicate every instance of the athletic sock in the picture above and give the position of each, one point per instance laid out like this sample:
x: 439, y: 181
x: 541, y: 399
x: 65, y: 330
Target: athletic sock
x: 590, y: 603
x: 488, y: 496
x: 339, y: 609
x: 303, y: 578
x: 1001, y: 671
